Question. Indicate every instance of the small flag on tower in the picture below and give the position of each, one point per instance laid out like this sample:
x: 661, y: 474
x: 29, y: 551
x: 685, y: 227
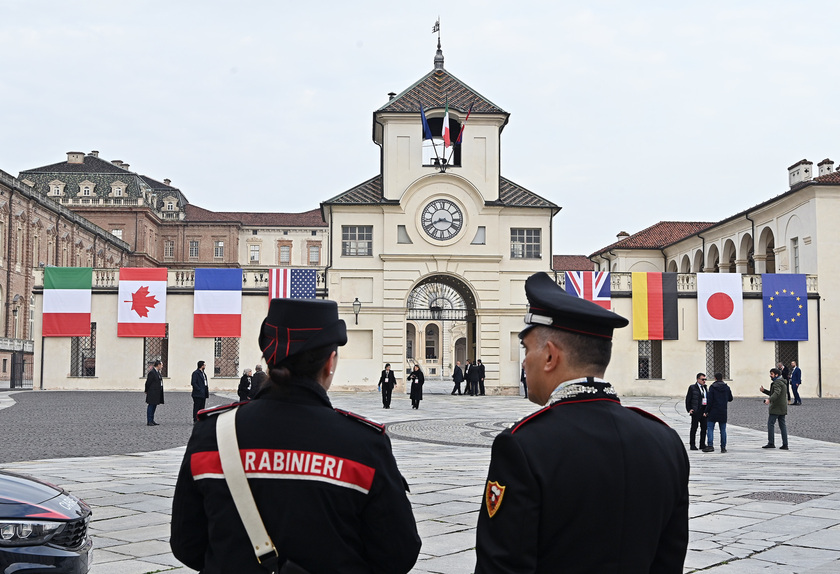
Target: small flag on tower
x: 445, y: 130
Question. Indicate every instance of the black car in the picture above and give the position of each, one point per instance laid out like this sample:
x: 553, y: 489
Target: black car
x: 43, y: 528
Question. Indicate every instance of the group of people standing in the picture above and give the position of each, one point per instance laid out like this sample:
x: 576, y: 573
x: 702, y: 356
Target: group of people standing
x: 472, y: 374
x: 708, y: 405
x: 387, y: 382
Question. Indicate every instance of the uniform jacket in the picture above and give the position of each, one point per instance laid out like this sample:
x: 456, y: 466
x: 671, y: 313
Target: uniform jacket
x: 585, y: 485
x: 796, y: 376
x: 154, y: 387
x: 694, y: 399
x: 200, y: 390
x: 340, y: 504
x: 388, y: 380
x: 417, y: 379
x: 778, y: 396
x: 457, y: 375
x: 718, y: 396
x: 244, y: 387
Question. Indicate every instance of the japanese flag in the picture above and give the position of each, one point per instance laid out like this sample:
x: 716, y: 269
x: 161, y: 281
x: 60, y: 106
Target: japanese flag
x: 720, y: 307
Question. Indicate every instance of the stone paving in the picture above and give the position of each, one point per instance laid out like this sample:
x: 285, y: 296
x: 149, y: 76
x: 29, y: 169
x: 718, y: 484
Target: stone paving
x: 752, y: 510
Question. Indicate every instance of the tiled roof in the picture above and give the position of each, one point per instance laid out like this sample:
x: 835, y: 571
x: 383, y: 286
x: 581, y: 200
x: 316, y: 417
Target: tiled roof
x: 162, y: 189
x: 658, y: 235
x: 510, y: 194
x: 433, y: 89
x: 310, y: 218
x: 572, y: 263
x: 832, y: 178
x: 90, y: 164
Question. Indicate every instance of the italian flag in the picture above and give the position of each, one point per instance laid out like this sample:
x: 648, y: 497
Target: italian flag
x: 67, y: 299
x: 447, y: 138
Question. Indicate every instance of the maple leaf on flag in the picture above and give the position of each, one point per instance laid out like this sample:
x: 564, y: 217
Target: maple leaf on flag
x: 141, y: 302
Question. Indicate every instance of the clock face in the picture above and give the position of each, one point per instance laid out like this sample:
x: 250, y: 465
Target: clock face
x: 442, y: 219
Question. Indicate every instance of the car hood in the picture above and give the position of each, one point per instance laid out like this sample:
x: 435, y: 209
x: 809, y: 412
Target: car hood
x: 26, y: 497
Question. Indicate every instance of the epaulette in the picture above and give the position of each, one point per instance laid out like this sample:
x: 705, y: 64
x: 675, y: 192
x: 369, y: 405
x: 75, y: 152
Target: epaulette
x: 203, y: 414
x: 647, y: 415
x: 378, y: 427
x: 530, y: 417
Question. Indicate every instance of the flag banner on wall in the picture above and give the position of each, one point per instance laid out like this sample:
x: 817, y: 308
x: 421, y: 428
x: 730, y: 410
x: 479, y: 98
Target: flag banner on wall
x: 655, y: 306
x: 720, y: 307
x: 217, y: 303
x: 285, y: 283
x: 141, y: 305
x: 67, y: 301
x: 785, y: 304
x: 590, y: 285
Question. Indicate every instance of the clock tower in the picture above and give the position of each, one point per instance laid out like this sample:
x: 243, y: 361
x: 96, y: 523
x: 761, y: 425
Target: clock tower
x: 436, y: 247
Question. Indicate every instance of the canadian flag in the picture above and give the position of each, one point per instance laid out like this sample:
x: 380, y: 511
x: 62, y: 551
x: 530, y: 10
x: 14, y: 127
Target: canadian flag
x: 142, y: 302
x: 720, y: 307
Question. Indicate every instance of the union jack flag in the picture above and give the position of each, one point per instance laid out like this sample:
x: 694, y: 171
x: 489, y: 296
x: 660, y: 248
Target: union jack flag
x: 590, y: 285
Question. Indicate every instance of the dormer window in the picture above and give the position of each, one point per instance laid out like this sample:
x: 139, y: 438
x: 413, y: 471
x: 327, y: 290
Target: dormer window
x: 56, y: 188
x: 170, y: 206
x: 117, y: 192
x: 437, y: 154
x: 85, y: 190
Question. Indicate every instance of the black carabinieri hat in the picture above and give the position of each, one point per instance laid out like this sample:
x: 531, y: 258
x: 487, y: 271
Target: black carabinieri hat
x: 293, y: 326
x: 550, y: 306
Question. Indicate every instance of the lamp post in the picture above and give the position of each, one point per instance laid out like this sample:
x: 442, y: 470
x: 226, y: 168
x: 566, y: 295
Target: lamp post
x: 357, y: 306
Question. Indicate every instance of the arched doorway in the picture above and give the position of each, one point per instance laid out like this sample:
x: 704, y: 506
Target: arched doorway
x: 442, y: 309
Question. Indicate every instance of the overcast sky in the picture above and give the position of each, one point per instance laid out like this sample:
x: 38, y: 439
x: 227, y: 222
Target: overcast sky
x: 623, y: 113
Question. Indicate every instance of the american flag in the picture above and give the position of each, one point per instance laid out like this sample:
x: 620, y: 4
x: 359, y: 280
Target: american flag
x: 291, y: 283
x: 590, y: 285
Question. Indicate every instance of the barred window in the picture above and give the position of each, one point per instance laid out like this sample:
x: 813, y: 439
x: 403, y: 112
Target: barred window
x: 226, y: 356
x: 525, y: 243
x: 357, y: 240
x: 717, y: 358
x: 650, y: 360
x: 787, y: 351
x: 156, y: 349
x: 193, y: 248
x: 169, y: 248
x: 83, y: 355
x: 218, y: 249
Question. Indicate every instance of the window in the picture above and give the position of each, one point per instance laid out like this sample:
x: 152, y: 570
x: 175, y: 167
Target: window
x: 254, y: 253
x: 357, y: 240
x: 314, y: 255
x: 285, y: 255
x: 194, y: 249
x: 83, y: 354
x: 787, y: 351
x: 170, y: 206
x: 156, y: 349
x: 226, y: 357
x: 254, y: 232
x: 32, y: 316
x: 117, y: 192
x: 794, y: 255
x: 650, y: 360
x: 314, y: 233
x: 525, y: 243
x: 117, y: 233
x: 218, y: 249
x: 85, y: 190
x: 169, y: 248
x: 453, y: 154
x: 480, y: 236
x: 717, y: 358
x: 402, y: 235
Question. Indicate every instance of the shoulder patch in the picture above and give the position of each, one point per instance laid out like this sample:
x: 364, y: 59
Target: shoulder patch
x: 213, y: 411
x: 647, y: 415
x: 529, y: 418
x: 378, y: 427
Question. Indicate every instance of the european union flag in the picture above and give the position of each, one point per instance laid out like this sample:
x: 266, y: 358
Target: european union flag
x: 785, y: 302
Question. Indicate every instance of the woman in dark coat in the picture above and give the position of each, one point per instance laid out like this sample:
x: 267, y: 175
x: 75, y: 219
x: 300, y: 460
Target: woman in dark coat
x: 154, y: 392
x: 417, y: 379
x: 244, y: 385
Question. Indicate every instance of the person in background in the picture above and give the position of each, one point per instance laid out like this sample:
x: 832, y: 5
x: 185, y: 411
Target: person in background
x: 417, y: 379
x: 695, y: 405
x: 387, y: 380
x: 795, y: 381
x: 719, y: 396
x: 154, y: 392
x: 244, y: 385
x: 778, y: 408
x: 457, y: 377
x: 257, y: 379
x: 200, y: 389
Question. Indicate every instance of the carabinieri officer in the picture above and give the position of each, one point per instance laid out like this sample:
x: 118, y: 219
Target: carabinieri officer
x: 585, y: 484
x: 325, y: 481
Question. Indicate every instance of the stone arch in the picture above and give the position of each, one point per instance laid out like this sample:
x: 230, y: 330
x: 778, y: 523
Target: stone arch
x: 712, y: 260
x: 746, y: 254
x: 644, y: 266
x: 728, y: 257
x: 697, y: 266
x: 765, y: 253
x: 672, y: 266
x: 685, y: 264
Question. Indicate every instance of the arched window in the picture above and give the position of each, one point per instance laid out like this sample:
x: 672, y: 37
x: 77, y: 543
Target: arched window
x: 433, y: 155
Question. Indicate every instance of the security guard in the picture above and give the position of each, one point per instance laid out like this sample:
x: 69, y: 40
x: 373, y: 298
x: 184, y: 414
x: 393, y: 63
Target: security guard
x: 325, y: 481
x: 585, y: 484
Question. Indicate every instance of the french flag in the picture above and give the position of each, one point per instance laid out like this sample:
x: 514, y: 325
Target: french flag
x: 218, y: 303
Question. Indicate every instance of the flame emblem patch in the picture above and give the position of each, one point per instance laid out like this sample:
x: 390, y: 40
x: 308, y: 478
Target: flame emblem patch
x: 493, y: 497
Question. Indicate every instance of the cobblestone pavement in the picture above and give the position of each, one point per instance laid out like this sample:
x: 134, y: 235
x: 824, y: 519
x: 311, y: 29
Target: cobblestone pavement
x: 752, y: 510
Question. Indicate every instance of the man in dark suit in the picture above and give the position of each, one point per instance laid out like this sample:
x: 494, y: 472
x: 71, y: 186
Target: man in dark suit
x: 200, y: 390
x: 257, y: 380
x: 387, y: 380
x: 585, y: 484
x: 473, y: 376
x: 480, y: 377
x: 795, y: 381
x: 457, y: 377
x: 467, y: 387
x: 695, y: 405
x: 154, y: 392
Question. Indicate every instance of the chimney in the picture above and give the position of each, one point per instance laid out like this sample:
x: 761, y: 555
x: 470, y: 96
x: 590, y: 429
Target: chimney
x: 622, y: 235
x: 826, y: 166
x: 800, y: 171
x: 125, y: 166
x: 167, y: 181
x: 391, y: 95
x: 117, y: 162
x: 94, y: 153
x: 75, y: 157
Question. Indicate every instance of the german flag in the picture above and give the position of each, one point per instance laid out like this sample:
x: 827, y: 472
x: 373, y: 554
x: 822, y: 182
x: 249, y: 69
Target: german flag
x: 655, y: 307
